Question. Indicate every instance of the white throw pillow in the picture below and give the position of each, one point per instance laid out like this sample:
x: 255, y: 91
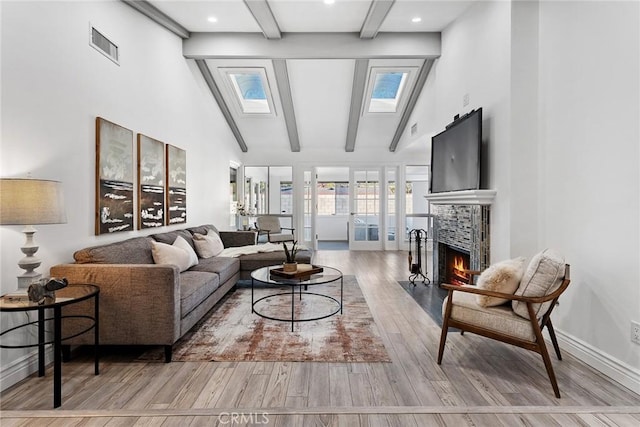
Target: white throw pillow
x: 208, y: 246
x: 501, y: 277
x: 169, y: 254
x: 181, y: 243
x: 543, y: 276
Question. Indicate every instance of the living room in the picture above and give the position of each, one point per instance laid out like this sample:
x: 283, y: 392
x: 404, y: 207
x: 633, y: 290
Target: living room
x: 557, y: 81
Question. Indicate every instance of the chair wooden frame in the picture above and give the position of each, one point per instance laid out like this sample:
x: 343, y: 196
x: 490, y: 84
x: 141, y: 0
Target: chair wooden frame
x: 263, y: 231
x: 538, y: 345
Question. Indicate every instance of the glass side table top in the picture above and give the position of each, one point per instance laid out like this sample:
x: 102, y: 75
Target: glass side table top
x: 64, y: 296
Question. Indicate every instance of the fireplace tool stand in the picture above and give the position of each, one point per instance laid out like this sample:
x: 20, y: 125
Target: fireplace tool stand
x: 419, y: 236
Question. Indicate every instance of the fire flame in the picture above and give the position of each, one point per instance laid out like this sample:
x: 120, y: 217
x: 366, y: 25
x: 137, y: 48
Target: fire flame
x: 458, y: 264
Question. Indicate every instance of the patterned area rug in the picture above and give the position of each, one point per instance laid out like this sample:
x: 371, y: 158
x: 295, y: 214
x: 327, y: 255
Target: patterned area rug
x: 231, y: 332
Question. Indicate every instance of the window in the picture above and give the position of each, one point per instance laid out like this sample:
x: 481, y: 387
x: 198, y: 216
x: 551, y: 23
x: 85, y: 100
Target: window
x: 386, y: 90
x: 333, y: 198
x: 251, y: 90
x: 286, y: 197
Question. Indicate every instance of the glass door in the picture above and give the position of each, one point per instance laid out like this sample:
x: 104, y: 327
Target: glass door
x: 364, y: 220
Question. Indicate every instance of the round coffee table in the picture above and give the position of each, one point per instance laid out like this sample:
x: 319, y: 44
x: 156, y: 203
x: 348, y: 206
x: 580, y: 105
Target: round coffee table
x: 263, y: 276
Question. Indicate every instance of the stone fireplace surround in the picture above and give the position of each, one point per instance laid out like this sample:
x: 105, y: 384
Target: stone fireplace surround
x: 462, y: 221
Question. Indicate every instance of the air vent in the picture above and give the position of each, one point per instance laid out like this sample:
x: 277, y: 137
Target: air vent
x: 414, y: 129
x: 103, y: 45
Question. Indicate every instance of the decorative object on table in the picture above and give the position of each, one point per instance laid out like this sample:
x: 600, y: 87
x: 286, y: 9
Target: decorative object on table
x: 419, y: 236
x: 290, y: 264
x: 114, y: 178
x: 176, y: 185
x: 302, y: 270
x: 30, y: 202
x: 151, y: 182
x: 244, y: 213
x: 45, y: 289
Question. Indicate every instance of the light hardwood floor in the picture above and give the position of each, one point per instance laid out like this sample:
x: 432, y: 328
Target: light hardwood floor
x: 480, y: 382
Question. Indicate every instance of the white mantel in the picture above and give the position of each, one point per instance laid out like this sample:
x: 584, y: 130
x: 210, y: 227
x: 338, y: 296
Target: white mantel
x: 465, y: 197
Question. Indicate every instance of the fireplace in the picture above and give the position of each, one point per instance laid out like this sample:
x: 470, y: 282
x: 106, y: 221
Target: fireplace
x: 465, y: 229
x: 456, y: 263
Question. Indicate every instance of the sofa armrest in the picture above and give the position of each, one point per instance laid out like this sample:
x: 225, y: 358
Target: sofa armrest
x: 232, y: 239
x: 139, y: 303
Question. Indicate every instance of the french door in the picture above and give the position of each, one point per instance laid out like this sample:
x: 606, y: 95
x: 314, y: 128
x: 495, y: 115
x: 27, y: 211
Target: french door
x: 365, y: 221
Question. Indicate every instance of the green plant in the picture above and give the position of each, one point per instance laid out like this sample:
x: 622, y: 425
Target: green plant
x: 290, y: 254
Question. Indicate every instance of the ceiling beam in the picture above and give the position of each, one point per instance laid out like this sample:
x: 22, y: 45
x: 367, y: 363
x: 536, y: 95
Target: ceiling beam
x: 224, y: 108
x: 411, y: 103
x: 284, y: 90
x: 357, y: 94
x: 375, y: 17
x: 264, y: 17
x: 158, y: 16
x: 311, y: 46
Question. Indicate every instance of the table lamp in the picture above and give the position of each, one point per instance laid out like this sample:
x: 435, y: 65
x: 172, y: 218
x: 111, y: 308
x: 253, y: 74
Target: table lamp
x: 30, y: 202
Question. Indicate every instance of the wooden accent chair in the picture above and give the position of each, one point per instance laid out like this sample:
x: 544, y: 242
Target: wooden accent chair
x: 521, y: 320
x: 270, y: 226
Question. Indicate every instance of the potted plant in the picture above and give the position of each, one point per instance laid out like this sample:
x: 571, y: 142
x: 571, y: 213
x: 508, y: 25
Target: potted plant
x: 290, y: 265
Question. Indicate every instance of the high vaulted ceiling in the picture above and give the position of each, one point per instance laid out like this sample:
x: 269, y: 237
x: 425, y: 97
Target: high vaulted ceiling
x: 318, y: 60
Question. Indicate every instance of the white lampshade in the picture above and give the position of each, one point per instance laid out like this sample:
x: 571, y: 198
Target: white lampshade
x: 31, y: 202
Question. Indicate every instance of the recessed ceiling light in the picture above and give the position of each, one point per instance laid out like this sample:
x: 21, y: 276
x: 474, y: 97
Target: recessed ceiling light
x: 416, y: 19
x: 212, y: 19
x: 329, y: 1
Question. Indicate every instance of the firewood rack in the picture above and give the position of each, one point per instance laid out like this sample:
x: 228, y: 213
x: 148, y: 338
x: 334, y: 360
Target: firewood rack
x: 418, y: 237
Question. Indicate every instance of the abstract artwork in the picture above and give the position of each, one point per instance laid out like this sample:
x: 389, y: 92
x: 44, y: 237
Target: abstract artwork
x: 176, y: 185
x: 114, y: 178
x: 151, y: 182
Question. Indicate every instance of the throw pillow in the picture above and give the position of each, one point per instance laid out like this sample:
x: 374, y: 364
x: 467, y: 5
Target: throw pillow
x: 502, y: 277
x: 181, y: 243
x: 543, y: 276
x: 169, y: 254
x: 208, y: 246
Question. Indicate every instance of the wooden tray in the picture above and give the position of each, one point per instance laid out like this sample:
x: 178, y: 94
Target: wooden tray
x: 307, y: 271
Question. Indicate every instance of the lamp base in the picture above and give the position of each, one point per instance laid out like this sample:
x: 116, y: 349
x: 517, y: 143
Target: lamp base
x: 26, y: 279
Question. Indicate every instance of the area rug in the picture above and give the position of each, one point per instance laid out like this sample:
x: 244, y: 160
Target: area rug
x: 429, y: 297
x: 231, y: 332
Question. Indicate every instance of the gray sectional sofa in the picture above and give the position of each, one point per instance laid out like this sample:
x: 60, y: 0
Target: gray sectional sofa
x: 143, y: 303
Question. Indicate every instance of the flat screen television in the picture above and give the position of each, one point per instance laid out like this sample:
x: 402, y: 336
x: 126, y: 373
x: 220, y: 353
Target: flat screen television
x: 456, y: 155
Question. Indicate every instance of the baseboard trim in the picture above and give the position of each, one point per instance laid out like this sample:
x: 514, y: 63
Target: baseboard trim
x: 626, y: 375
x: 22, y: 368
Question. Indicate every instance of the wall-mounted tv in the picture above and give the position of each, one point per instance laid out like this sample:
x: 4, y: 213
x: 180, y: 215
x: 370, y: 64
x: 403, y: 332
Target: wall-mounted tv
x: 456, y: 155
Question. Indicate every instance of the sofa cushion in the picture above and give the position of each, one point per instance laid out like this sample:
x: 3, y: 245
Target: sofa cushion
x: 501, y: 319
x: 208, y: 245
x: 543, y: 276
x: 501, y: 277
x: 225, y: 267
x: 170, y: 254
x: 131, y: 251
x: 182, y: 244
x: 170, y: 237
x: 195, y: 287
x: 202, y: 229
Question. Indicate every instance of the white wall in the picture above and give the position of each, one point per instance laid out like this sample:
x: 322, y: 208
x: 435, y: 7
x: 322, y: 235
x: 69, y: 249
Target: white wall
x: 589, y: 179
x: 475, y: 61
x: 53, y: 87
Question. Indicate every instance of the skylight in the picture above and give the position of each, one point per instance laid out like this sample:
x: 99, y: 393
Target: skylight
x: 249, y: 87
x: 386, y: 91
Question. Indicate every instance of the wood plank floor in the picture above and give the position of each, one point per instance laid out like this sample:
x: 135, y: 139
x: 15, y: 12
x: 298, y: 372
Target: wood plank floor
x: 480, y: 382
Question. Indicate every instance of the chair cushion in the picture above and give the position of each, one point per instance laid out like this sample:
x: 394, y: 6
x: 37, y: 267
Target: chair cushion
x: 271, y: 223
x: 499, y: 319
x: 280, y: 237
x: 208, y: 245
x: 502, y: 277
x: 543, y: 276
